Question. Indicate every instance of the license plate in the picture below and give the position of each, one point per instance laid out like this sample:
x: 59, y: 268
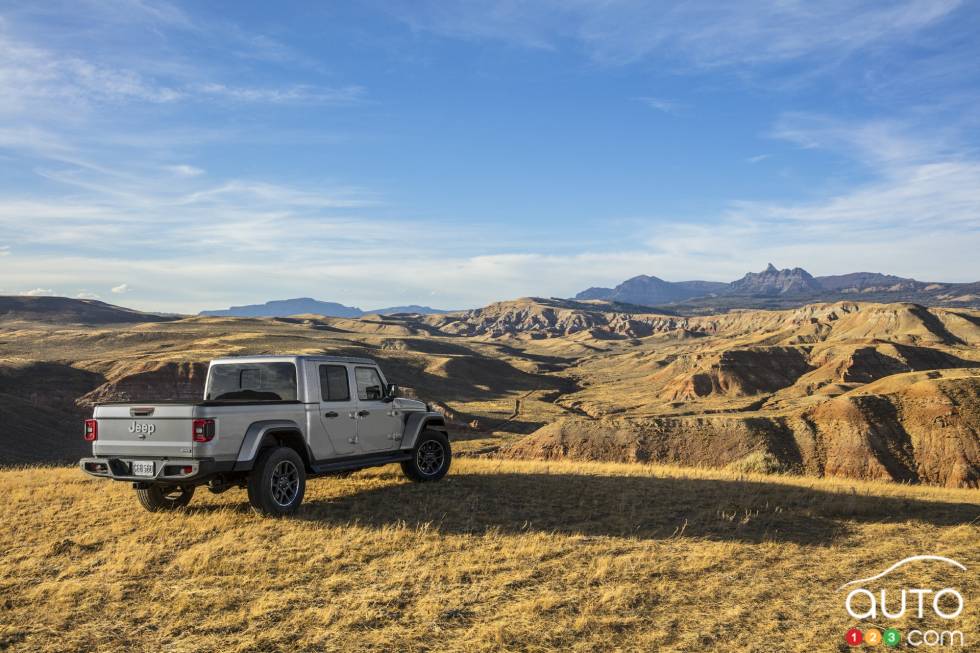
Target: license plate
x: 142, y: 468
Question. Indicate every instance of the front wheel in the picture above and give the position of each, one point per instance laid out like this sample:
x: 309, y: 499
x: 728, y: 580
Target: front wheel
x: 277, y: 482
x: 431, y: 458
x: 156, y: 498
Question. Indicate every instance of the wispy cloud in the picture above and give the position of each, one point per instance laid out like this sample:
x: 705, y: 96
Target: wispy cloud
x: 940, y: 195
x: 121, y: 289
x: 184, y: 170
x: 31, y: 76
x: 157, y: 13
x: 702, y: 33
x: 36, y: 81
x: 660, y: 104
x: 295, y: 94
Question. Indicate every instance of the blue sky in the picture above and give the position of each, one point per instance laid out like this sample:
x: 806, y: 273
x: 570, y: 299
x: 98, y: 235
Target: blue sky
x: 188, y: 156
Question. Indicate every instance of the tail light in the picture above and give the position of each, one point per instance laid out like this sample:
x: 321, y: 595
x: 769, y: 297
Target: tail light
x: 91, y: 433
x: 203, y: 430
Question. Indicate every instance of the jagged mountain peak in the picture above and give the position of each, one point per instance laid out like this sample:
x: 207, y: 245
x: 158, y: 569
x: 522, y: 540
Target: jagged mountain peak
x: 773, y: 281
x: 648, y: 290
x: 786, y: 288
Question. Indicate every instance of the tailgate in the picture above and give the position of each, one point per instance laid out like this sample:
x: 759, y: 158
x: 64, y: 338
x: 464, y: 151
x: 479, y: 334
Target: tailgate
x: 144, y: 430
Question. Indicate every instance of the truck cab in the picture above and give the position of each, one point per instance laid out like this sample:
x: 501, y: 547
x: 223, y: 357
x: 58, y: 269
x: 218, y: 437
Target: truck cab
x: 325, y: 414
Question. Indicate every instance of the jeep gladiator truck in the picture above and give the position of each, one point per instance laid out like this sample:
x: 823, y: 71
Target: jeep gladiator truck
x: 266, y: 423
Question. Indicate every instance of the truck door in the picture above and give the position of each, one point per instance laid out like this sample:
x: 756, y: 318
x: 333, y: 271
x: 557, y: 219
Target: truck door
x: 338, y: 411
x: 379, y: 428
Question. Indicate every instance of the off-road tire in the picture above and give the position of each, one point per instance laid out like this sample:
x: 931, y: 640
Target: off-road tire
x: 426, y: 464
x: 268, y: 493
x: 158, y: 498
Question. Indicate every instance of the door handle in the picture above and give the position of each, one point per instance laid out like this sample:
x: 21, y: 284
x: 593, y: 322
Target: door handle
x: 363, y: 413
x: 331, y: 413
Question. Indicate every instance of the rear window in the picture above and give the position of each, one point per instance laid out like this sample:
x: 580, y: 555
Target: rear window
x: 333, y: 383
x: 252, y: 382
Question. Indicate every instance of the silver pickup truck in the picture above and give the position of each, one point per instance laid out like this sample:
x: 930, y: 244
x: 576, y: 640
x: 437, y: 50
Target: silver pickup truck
x: 267, y: 423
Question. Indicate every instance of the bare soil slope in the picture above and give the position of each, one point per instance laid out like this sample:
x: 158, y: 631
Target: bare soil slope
x: 774, y: 388
x: 923, y: 429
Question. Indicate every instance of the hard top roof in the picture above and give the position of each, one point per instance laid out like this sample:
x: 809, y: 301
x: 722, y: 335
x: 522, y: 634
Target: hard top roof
x: 294, y: 357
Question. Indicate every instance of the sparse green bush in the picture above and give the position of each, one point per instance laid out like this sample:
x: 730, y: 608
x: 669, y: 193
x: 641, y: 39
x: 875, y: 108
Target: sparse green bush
x: 757, y: 462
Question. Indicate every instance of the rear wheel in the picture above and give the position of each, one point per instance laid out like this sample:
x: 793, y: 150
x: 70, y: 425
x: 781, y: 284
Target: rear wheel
x: 156, y: 498
x: 431, y: 458
x: 277, y: 482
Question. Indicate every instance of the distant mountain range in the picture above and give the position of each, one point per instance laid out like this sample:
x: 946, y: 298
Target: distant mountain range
x: 62, y: 310
x: 777, y: 288
x: 641, y: 289
x: 770, y: 289
x: 307, y: 305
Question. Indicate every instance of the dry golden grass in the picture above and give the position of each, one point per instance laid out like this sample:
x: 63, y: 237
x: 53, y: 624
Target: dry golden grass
x: 501, y: 555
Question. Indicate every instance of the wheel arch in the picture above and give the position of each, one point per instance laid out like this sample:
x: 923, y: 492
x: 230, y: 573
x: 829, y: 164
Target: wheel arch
x: 418, y: 422
x: 262, y: 435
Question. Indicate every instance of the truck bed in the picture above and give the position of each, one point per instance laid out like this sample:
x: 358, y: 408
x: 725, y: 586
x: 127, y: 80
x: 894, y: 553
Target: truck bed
x: 212, y: 402
x: 164, y: 428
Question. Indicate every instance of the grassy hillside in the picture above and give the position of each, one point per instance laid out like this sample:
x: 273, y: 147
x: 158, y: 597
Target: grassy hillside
x: 501, y: 555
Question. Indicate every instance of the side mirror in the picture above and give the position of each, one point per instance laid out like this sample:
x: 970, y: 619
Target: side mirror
x: 391, y: 391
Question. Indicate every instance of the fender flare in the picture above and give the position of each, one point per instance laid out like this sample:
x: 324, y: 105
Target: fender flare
x: 256, y: 435
x: 418, y: 422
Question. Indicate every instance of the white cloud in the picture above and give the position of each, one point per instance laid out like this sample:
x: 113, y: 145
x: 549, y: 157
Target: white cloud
x: 37, y: 292
x: 920, y: 183
x: 86, y: 295
x: 758, y: 158
x: 137, y: 206
x: 937, y: 195
x: 918, y: 216
x: 720, y: 251
x: 184, y: 170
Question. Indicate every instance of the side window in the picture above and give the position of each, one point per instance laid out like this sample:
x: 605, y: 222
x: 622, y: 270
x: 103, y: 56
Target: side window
x: 333, y: 383
x: 368, y: 383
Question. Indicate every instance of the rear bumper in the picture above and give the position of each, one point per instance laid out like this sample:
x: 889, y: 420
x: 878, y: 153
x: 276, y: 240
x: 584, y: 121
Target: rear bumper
x: 165, y: 470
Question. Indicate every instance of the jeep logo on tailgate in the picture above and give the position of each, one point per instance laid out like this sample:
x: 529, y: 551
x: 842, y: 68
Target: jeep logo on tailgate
x: 142, y: 428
